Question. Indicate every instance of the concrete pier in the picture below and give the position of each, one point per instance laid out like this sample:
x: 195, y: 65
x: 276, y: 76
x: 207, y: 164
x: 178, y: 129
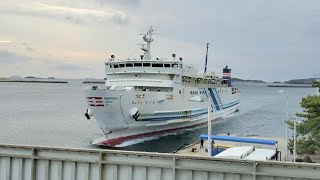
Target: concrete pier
x: 281, y: 146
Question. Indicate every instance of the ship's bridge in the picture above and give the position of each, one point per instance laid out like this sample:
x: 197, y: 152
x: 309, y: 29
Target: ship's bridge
x: 143, y: 66
x: 143, y: 73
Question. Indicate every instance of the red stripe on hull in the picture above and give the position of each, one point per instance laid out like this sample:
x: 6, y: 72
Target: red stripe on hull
x: 119, y: 140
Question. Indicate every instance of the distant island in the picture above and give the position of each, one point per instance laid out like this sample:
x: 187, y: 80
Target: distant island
x: 294, y: 83
x: 94, y: 81
x: 308, y: 81
x: 31, y: 79
x: 291, y: 85
x: 301, y: 81
x: 243, y: 80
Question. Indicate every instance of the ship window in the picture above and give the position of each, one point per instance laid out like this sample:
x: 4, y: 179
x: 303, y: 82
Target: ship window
x: 175, y: 65
x: 146, y: 64
x: 157, y: 65
x: 116, y: 66
x: 167, y: 65
x: 110, y: 66
x: 129, y: 65
x: 137, y: 64
x: 121, y: 65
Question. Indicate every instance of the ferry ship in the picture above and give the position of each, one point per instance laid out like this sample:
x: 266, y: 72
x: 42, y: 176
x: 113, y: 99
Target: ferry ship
x: 152, y: 96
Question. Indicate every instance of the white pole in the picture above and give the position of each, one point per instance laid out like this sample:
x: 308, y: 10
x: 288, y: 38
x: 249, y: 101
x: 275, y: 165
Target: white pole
x: 287, y: 151
x: 209, y: 131
x: 294, y: 141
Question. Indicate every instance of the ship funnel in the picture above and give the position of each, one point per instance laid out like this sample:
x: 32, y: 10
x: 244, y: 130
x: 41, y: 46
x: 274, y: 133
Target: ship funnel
x: 227, y: 76
x: 88, y: 114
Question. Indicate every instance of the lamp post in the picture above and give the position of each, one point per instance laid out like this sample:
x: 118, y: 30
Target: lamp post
x: 209, y: 131
x: 286, y: 118
x: 294, y: 141
x: 286, y: 125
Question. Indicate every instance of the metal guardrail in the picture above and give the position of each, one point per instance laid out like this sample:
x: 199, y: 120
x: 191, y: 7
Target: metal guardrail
x: 50, y: 163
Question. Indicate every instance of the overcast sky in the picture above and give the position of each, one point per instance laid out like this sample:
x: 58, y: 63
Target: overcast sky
x: 259, y: 39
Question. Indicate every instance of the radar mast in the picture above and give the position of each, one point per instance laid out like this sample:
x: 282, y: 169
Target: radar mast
x: 146, y: 47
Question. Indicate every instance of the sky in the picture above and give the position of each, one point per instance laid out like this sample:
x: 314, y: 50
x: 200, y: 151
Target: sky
x: 271, y: 40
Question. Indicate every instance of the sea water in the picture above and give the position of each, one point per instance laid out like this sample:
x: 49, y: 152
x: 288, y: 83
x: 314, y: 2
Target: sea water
x: 53, y: 115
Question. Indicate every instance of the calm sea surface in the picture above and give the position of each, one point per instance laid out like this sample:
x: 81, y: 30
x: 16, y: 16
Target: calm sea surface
x: 52, y: 115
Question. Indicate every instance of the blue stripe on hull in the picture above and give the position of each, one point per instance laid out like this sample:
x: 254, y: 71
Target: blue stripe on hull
x: 182, y: 117
x: 217, y: 104
x: 217, y: 97
x: 214, y: 99
x: 173, y: 118
x: 207, y: 95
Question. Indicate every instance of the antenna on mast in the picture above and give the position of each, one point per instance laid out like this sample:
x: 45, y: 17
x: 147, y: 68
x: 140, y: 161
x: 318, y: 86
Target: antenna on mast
x: 146, y: 47
x: 206, y: 64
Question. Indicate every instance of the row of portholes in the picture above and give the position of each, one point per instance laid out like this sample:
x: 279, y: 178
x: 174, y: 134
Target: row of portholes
x: 202, y: 92
x: 196, y: 92
x: 140, y: 102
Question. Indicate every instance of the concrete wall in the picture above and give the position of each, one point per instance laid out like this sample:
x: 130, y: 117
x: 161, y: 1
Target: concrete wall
x: 45, y: 163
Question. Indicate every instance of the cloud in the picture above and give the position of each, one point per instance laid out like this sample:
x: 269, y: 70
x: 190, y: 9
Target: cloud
x: 5, y: 41
x: 7, y: 57
x: 269, y: 40
x: 78, y: 15
x: 120, y: 2
x: 28, y: 47
x: 71, y: 67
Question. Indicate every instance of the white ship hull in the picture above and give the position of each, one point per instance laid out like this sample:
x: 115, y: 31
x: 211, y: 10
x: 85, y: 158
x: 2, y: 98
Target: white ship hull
x: 146, y: 97
x: 160, y: 112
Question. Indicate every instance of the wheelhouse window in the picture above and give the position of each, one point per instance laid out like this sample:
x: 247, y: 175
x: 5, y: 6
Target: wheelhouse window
x: 121, y: 65
x: 129, y: 65
x: 157, y: 65
x: 116, y: 66
x: 146, y: 64
x: 137, y: 64
x: 167, y: 65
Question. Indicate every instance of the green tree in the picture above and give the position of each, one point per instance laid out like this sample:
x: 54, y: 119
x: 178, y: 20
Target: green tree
x: 317, y: 85
x: 308, y: 131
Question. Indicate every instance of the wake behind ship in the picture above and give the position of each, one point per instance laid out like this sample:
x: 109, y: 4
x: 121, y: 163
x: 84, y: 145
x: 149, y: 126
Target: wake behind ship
x: 147, y: 97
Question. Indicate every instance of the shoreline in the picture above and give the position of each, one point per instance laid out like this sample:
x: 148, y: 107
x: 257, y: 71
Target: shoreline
x: 293, y: 86
x: 27, y: 81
